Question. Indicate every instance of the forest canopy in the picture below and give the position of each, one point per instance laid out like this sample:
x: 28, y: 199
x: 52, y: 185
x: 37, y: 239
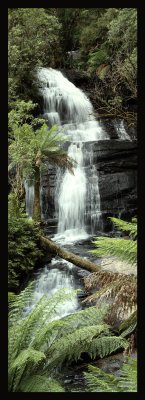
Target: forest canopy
x: 106, y: 39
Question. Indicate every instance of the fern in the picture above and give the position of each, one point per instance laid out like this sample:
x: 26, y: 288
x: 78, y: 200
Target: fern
x: 126, y: 250
x: 60, y: 328
x: 125, y: 226
x: 128, y: 378
x: 26, y: 356
x: 105, y: 345
x: 71, y: 346
x: 38, y: 343
x: 129, y: 325
x: 40, y: 383
x: 11, y: 297
x: 99, y: 381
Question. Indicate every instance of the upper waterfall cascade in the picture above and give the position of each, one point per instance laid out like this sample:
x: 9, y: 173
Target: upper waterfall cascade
x: 69, y: 108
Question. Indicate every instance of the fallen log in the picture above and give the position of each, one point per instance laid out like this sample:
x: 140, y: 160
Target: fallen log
x: 68, y: 256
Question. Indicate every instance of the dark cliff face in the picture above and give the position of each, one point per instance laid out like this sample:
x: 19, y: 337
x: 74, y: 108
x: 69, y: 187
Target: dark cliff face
x: 116, y: 164
x: 117, y: 167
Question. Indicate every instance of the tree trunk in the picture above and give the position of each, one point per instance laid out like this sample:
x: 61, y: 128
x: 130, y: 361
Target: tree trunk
x: 36, y: 207
x: 68, y: 256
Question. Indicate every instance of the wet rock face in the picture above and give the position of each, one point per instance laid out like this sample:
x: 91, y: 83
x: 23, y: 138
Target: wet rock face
x: 48, y: 182
x: 116, y: 163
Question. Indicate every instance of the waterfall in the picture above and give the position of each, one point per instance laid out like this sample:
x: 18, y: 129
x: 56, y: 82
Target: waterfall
x: 72, y: 194
x: 48, y: 282
x: 29, y: 190
x: 93, y: 208
x: 121, y: 131
x: 69, y: 108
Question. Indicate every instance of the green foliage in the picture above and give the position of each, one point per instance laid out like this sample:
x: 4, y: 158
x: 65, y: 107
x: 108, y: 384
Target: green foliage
x: 96, y: 58
x: 32, y: 41
x: 100, y: 381
x: 124, y: 249
x: 129, y: 325
x: 21, y: 113
x: 40, y: 383
x: 11, y: 297
x: 125, y: 226
x: 31, y: 149
x: 69, y: 19
x: 38, y: 343
x: 109, y: 36
x: 23, y: 244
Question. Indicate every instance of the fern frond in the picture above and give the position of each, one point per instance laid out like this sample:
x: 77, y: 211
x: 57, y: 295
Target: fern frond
x: 100, y: 295
x: 40, y: 383
x: 54, y: 330
x: 100, y: 381
x: 29, y: 327
x: 19, y: 302
x: 71, y: 346
x: 27, y: 356
x: 124, y: 249
x: 128, y: 378
x: 11, y: 297
x: 129, y: 325
x: 125, y: 226
x: 105, y: 345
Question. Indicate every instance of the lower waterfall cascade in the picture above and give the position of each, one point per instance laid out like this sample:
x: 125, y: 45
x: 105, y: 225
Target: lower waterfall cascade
x: 51, y: 279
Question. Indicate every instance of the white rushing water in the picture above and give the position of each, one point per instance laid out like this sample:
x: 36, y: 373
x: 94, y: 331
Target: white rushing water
x: 29, y: 191
x: 49, y: 282
x: 121, y: 131
x: 69, y: 107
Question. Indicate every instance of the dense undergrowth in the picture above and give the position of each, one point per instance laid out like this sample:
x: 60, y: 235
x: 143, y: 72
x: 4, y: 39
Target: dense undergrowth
x: 39, y: 346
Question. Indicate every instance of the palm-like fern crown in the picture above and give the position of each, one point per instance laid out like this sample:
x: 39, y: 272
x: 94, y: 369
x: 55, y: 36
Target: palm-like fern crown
x: 37, y: 347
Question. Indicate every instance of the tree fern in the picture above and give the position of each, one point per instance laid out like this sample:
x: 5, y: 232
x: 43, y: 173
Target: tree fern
x: 99, y: 381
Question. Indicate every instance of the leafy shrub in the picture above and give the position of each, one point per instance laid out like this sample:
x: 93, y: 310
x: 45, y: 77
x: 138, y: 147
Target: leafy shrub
x: 23, y: 244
